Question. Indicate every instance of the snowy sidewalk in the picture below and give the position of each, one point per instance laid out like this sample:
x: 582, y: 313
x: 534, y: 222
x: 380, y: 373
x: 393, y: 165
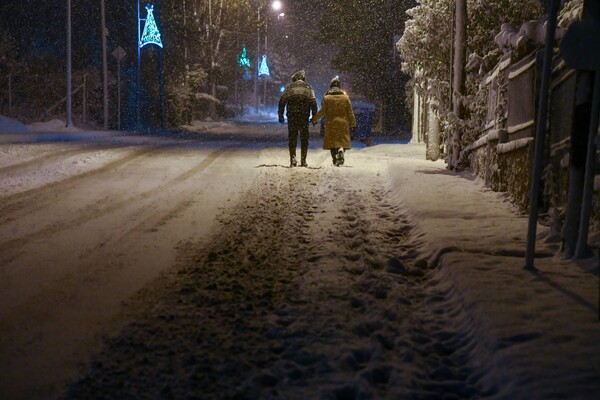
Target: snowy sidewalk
x: 539, y: 332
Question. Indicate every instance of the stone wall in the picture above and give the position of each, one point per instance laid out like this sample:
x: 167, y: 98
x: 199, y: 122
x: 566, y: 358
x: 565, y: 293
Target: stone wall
x: 515, y: 160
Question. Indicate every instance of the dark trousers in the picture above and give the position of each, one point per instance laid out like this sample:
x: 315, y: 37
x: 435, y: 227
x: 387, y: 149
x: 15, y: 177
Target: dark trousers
x: 295, y: 128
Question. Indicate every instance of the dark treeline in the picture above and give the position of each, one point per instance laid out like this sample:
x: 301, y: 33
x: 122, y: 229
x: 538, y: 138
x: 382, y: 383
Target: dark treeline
x: 202, y: 41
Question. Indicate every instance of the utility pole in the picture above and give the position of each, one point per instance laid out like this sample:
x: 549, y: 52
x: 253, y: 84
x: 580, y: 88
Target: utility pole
x: 119, y: 54
x: 185, y: 47
x: 10, y: 91
x: 69, y: 87
x: 104, y: 64
x: 257, y: 60
x: 265, y: 79
x: 84, y: 98
x: 139, y: 72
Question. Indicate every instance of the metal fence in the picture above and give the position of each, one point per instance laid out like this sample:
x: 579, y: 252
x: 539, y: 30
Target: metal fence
x: 520, y: 121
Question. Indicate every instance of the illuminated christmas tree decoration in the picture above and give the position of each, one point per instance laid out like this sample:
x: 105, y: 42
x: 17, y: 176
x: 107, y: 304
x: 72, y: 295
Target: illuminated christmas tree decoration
x: 243, y: 60
x: 150, y: 35
x: 264, y: 68
x: 281, y: 88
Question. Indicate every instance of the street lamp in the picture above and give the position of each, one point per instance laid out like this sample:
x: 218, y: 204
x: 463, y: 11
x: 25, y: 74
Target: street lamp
x: 261, y: 61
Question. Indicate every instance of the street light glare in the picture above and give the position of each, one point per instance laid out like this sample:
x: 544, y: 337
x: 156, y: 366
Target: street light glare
x: 276, y: 5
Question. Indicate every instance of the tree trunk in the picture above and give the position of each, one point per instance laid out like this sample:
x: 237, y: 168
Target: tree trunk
x: 215, y: 49
x: 458, y: 80
x: 416, y: 125
x: 433, y: 144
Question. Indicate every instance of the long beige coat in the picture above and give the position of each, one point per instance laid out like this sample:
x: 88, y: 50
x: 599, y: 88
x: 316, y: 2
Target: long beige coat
x: 339, y: 117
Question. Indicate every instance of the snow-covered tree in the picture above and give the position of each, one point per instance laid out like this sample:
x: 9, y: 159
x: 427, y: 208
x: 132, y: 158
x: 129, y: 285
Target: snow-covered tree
x: 205, y: 37
x: 426, y: 48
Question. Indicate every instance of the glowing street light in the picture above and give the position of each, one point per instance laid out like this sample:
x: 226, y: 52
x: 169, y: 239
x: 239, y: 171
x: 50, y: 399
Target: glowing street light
x: 261, y: 62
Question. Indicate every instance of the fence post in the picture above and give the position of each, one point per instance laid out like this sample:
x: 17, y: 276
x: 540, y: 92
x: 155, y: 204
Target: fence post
x: 581, y: 250
x: 539, y: 136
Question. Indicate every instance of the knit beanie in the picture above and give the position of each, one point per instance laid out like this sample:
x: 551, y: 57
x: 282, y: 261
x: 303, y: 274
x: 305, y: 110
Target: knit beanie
x: 335, y: 82
x: 299, y: 76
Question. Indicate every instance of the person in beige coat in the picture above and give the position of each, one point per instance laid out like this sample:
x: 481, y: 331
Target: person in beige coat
x: 339, y: 118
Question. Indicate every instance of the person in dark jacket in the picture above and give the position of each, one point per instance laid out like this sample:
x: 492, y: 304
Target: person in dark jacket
x: 299, y: 98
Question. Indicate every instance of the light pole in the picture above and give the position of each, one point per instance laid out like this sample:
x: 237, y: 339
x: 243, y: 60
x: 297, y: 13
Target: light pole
x: 257, y: 59
x: 104, y: 65
x: 139, y: 69
x: 150, y: 35
x: 69, y: 85
x: 276, y: 5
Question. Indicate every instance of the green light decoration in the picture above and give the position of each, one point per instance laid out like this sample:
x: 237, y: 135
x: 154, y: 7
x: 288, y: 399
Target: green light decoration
x: 243, y: 60
x: 150, y: 35
x: 264, y: 68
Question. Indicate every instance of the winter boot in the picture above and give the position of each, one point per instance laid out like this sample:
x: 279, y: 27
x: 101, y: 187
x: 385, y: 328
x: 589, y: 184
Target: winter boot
x: 303, y: 153
x: 334, y: 157
x: 340, y: 156
x: 293, y: 161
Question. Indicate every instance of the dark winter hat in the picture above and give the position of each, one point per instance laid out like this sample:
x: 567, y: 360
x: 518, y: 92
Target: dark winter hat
x: 335, y: 82
x: 299, y: 76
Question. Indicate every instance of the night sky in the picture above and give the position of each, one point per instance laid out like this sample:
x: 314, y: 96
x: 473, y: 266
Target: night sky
x: 39, y: 27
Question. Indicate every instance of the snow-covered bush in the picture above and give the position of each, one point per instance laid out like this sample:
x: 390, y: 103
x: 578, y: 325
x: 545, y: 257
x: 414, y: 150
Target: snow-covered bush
x: 197, y: 79
x: 188, y: 99
x: 179, y: 104
x: 571, y: 12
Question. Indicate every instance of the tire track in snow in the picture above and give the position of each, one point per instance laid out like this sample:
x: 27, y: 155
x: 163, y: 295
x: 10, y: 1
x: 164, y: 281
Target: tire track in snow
x: 16, y: 202
x: 309, y: 289
x: 146, y: 200
x: 46, y: 158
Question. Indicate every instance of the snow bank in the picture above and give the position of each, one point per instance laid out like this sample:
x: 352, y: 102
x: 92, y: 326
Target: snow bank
x: 54, y: 125
x: 11, y: 125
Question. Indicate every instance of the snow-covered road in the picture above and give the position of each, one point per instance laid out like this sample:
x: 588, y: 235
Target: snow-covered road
x: 86, y: 225
x: 202, y: 266
x: 311, y: 287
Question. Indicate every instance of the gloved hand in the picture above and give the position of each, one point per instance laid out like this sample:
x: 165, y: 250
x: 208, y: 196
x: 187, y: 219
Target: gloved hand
x: 281, y: 120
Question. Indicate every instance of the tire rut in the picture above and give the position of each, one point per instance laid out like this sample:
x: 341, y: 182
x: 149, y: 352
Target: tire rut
x: 45, y: 159
x: 13, y: 203
x: 97, y: 210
